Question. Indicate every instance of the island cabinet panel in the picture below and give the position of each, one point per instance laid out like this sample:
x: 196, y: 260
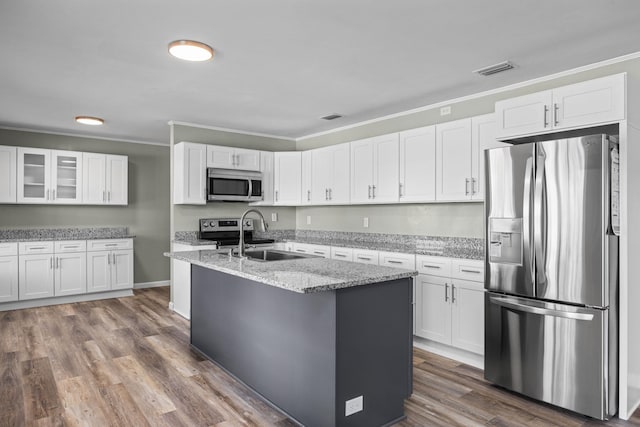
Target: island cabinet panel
x: 309, y: 353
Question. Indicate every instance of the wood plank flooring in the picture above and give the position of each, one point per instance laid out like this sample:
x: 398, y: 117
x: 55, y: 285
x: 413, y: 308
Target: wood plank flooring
x: 127, y: 362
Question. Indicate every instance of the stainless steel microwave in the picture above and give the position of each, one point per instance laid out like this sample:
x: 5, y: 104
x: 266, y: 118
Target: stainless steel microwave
x: 233, y: 185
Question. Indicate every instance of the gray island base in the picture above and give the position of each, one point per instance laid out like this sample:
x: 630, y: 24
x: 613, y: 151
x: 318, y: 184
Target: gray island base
x: 308, y: 354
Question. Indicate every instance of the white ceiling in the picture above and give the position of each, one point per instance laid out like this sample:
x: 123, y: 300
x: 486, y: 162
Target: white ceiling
x: 280, y: 65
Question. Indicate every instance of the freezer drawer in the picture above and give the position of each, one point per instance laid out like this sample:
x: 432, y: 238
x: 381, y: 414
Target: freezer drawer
x: 552, y: 352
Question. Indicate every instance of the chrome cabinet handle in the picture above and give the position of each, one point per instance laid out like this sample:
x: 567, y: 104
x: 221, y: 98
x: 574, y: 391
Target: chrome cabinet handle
x: 111, y: 244
x: 364, y: 258
x: 555, y: 114
x: 308, y: 195
x: 37, y: 247
x: 58, y: 262
x: 276, y: 195
x: 466, y: 186
x: 469, y: 271
x: 545, y: 123
x: 340, y: 255
x: 373, y: 191
x: 326, y: 194
x: 51, y: 263
x: 400, y: 190
x: 369, y: 193
x: 331, y: 194
x: 453, y: 293
x: 104, y: 196
x: 109, y: 196
x: 392, y: 261
x: 431, y: 266
x: 473, y: 186
x: 318, y: 252
x: 446, y: 292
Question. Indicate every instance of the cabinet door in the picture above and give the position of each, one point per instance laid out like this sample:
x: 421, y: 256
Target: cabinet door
x: 467, y: 316
x: 386, y: 169
x: 483, y: 137
x: 589, y: 103
x: 307, y: 177
x: 362, y: 171
x: 94, y: 189
x: 433, y: 309
x: 266, y: 167
x: 35, y: 276
x: 122, y: 269
x: 117, y: 180
x: 220, y: 157
x: 66, y: 178
x: 453, y: 160
x: 339, y: 188
x: 248, y: 160
x: 98, y: 271
x: 288, y: 170
x: 8, y: 278
x: 523, y: 115
x: 8, y: 173
x: 70, y: 273
x: 418, y: 165
x: 321, y: 179
x: 189, y: 173
x: 344, y: 254
x: 34, y: 175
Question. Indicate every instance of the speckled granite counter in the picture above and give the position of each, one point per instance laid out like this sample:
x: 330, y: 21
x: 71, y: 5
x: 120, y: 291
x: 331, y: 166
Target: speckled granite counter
x: 69, y: 233
x: 304, y: 275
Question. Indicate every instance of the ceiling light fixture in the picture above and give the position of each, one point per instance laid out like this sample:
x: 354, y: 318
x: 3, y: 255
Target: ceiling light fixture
x: 190, y: 50
x: 88, y: 120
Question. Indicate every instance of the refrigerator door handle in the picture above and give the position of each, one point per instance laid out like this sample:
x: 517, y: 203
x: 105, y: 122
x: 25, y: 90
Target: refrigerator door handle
x: 526, y: 220
x: 509, y: 303
x: 540, y: 226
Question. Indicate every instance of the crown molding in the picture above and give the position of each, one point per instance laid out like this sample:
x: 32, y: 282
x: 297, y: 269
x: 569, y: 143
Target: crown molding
x: 221, y: 129
x: 77, y: 135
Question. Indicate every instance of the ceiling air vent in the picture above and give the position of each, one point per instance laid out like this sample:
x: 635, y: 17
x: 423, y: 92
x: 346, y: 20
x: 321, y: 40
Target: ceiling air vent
x: 497, y: 68
x: 331, y: 117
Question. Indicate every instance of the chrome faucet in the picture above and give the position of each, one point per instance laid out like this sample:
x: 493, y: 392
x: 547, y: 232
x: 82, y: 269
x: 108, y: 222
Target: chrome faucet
x: 263, y: 224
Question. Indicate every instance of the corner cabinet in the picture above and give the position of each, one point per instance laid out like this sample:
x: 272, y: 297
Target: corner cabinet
x: 287, y: 172
x: 590, y: 103
x: 105, y: 179
x: 189, y: 173
x: 8, y: 174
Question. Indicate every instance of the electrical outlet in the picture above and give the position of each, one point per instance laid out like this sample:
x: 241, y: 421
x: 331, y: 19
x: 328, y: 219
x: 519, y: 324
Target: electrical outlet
x: 353, y: 405
x: 365, y: 222
x: 308, y: 219
x: 445, y: 111
x: 274, y: 217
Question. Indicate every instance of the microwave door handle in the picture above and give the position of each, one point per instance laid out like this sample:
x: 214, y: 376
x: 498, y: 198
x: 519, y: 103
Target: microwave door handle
x: 250, y: 189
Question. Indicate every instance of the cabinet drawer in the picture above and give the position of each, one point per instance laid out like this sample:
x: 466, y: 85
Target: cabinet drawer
x: 468, y: 269
x: 8, y: 248
x: 65, y: 246
x: 397, y: 260
x: 345, y: 254
x: 365, y: 256
x: 305, y: 248
x: 28, y: 248
x: 433, y: 266
x: 109, y: 244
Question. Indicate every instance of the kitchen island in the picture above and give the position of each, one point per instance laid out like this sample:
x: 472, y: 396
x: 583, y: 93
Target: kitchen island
x: 327, y: 342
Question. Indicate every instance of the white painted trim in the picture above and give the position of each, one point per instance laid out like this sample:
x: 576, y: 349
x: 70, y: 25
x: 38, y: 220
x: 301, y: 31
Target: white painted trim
x: 145, y: 285
x: 171, y: 306
x: 78, y: 135
x: 242, y: 132
x: 17, y: 305
x: 519, y: 85
x: 463, y: 356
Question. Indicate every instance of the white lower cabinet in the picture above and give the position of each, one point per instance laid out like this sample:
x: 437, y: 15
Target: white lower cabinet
x: 344, y: 254
x: 70, y: 274
x: 449, y: 306
x: 8, y: 272
x: 109, y: 265
x: 181, y: 283
x: 311, y: 249
x: 35, y: 276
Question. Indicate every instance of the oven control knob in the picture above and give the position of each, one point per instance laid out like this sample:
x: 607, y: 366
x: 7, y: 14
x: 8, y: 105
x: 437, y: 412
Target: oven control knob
x: 204, y: 224
x: 212, y: 224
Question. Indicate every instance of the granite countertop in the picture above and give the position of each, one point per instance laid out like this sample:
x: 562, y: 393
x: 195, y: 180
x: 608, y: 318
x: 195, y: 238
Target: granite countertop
x: 70, y: 233
x: 305, y: 275
x: 194, y: 242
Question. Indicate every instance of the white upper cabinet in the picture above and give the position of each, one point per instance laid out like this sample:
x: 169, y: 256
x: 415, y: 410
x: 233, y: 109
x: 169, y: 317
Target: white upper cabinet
x: 288, y: 170
x: 105, y: 179
x: 34, y: 175
x: 483, y: 137
x: 190, y: 173
x: 66, y: 178
x: 8, y: 171
x: 266, y: 167
x: 330, y: 175
x: 375, y: 169
x: 232, y: 158
x: 453, y: 160
x: 307, y: 179
x: 584, y: 104
x: 417, y: 165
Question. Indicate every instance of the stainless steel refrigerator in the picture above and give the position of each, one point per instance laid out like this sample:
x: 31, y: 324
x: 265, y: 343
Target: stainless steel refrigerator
x: 552, y: 272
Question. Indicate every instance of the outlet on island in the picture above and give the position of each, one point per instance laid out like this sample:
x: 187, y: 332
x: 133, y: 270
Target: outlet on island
x: 352, y: 406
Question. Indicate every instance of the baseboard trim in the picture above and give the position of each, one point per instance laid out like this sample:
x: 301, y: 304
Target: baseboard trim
x: 17, y: 305
x: 145, y: 285
x: 463, y: 356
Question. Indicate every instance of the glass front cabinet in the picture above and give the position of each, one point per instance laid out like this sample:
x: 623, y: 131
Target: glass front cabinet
x: 49, y: 176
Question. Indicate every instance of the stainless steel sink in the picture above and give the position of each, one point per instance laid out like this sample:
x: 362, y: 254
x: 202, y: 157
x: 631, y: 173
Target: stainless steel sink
x: 273, y: 255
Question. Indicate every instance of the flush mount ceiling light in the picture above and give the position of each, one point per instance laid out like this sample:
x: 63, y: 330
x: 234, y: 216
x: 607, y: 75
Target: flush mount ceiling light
x: 88, y: 120
x: 190, y: 50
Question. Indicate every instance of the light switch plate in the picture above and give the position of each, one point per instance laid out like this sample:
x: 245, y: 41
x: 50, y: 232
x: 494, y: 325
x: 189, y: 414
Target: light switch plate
x: 445, y: 111
x: 308, y: 219
x: 274, y: 216
x: 353, y: 406
x: 365, y: 222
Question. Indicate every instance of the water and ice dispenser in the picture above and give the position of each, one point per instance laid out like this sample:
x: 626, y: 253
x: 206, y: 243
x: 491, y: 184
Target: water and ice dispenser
x: 505, y: 240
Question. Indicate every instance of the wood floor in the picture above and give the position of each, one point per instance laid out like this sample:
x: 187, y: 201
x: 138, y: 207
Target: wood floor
x: 127, y: 362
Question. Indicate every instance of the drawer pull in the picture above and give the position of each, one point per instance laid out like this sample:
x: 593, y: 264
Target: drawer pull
x: 36, y: 247
x: 392, y: 261
x: 364, y: 258
x: 464, y: 270
x: 318, y: 252
x: 111, y: 244
x: 341, y: 255
x: 431, y: 266
x: 71, y: 246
